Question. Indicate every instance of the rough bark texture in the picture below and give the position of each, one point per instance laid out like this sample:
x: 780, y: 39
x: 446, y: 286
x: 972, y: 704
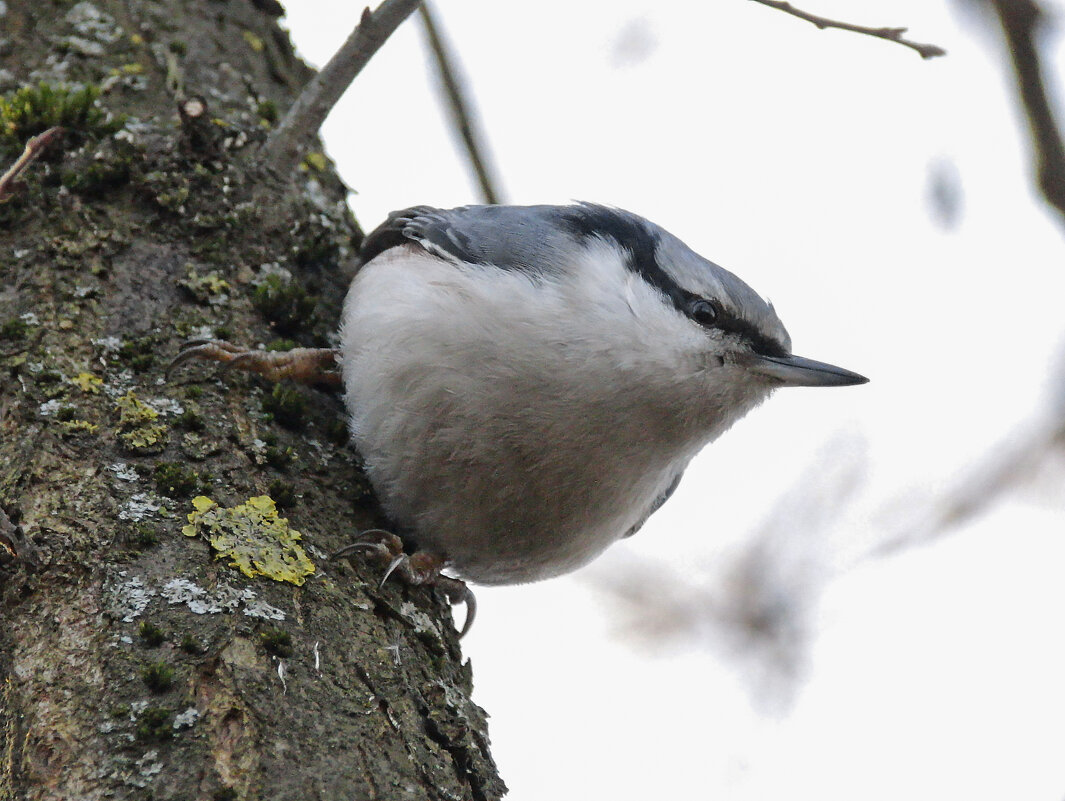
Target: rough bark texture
x: 137, y: 661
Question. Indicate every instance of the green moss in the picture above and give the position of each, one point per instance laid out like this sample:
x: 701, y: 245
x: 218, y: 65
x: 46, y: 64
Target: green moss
x: 193, y: 392
x: 14, y: 329
x: 144, y: 536
x: 49, y: 377
x: 178, y: 47
x: 151, y: 634
x: 31, y: 110
x: 267, y: 111
x: 191, y: 645
x: 110, y: 168
x: 284, y: 303
x: 139, y: 353
x: 65, y: 413
x: 283, y: 493
x: 120, y: 711
x: 175, y: 480
x: 337, y: 432
x: 158, y: 677
x: 287, y: 405
x: 279, y: 457
x: 280, y: 345
x: 155, y: 723
x: 191, y: 419
x: 277, y: 642
x: 253, y: 537
x: 316, y: 247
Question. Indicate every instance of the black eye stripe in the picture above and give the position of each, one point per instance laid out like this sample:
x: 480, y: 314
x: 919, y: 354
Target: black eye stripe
x: 722, y: 320
x: 641, y: 244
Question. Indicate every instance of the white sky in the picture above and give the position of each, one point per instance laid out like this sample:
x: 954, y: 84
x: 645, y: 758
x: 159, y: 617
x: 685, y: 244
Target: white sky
x: 799, y: 159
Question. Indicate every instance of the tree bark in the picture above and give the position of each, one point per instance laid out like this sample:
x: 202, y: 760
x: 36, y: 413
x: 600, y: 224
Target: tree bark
x: 137, y: 657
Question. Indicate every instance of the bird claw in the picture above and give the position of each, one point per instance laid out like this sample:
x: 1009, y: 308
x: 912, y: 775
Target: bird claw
x: 306, y: 365
x: 419, y: 568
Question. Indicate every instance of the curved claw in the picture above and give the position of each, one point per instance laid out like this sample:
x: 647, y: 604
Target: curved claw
x: 421, y: 568
x: 384, y: 541
x: 457, y: 592
x: 471, y: 611
x: 396, y: 562
x: 209, y: 349
x: 348, y: 550
x: 183, y: 356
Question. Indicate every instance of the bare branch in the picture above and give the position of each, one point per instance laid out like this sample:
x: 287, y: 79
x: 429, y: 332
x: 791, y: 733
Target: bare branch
x: 890, y: 34
x: 282, y: 151
x: 458, y: 107
x: 34, y: 148
x: 1020, y: 20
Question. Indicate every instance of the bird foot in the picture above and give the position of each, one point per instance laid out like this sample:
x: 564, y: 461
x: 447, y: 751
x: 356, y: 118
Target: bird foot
x: 305, y: 365
x: 418, y: 568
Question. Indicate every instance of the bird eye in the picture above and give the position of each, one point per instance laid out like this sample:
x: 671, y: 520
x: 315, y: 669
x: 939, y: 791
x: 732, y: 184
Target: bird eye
x: 704, y: 312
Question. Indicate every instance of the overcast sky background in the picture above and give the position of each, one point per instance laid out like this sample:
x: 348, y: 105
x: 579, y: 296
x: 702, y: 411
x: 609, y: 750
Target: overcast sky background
x: 806, y: 162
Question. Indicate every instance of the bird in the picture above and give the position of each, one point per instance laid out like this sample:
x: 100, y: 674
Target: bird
x: 526, y: 385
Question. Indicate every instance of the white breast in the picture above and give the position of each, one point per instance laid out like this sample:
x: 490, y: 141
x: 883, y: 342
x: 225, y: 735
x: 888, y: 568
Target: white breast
x: 519, y: 425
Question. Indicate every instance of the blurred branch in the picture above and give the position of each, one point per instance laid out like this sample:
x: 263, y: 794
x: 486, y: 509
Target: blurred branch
x: 283, y: 149
x: 1011, y: 464
x: 1020, y: 21
x: 890, y: 34
x: 458, y: 107
x: 757, y: 605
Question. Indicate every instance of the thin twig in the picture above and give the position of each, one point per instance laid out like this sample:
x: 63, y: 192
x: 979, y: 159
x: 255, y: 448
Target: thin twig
x: 890, y: 34
x: 33, y: 149
x: 458, y: 106
x: 283, y: 149
x: 1020, y: 20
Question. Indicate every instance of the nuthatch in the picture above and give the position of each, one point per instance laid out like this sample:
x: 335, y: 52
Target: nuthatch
x: 527, y: 385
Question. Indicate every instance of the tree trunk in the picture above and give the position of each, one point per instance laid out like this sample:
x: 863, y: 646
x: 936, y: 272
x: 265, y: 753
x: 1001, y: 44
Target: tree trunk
x: 163, y: 636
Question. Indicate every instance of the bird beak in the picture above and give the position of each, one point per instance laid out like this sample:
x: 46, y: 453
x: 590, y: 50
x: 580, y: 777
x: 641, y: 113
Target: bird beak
x: 795, y: 371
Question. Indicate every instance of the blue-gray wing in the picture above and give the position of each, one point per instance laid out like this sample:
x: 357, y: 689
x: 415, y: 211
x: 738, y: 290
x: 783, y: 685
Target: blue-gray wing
x: 537, y: 239
x: 656, y: 504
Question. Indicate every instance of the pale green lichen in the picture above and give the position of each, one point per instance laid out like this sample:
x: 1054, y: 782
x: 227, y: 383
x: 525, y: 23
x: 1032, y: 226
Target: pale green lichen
x: 253, y: 537
x: 254, y: 42
x: 315, y: 161
x: 207, y: 289
x: 138, y: 429
x: 73, y: 427
x: 88, y: 383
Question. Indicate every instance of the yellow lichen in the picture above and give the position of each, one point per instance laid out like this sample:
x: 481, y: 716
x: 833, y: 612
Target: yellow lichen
x: 133, y: 411
x: 253, y: 537
x: 137, y: 427
x: 72, y: 427
x: 254, y: 42
x: 316, y: 161
x: 88, y: 383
